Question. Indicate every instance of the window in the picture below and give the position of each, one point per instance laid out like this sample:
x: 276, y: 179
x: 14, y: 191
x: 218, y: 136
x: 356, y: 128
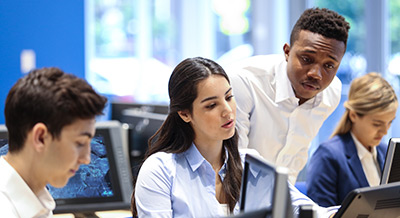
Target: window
x: 133, y: 45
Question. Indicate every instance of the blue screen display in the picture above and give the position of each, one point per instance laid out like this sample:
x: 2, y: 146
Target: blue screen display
x: 90, y: 181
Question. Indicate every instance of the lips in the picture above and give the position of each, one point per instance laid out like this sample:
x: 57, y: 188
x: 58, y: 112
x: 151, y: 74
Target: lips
x: 311, y: 85
x: 74, y: 170
x: 228, y: 124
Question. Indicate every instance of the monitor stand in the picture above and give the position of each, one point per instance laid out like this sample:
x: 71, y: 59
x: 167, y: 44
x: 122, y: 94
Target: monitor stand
x: 85, y: 215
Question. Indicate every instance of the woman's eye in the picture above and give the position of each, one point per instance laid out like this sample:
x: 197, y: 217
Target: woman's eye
x: 228, y: 98
x: 210, y: 106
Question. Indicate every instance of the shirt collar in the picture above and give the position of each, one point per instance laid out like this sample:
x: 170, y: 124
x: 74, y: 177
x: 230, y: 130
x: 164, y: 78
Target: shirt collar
x: 361, y: 150
x: 284, y: 90
x: 21, y: 195
x: 195, y: 159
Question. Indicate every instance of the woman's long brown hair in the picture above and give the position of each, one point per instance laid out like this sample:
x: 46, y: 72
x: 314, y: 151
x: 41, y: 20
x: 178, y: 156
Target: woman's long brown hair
x: 176, y: 136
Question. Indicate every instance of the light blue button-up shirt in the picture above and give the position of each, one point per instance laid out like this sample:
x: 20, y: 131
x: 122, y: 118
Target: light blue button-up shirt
x: 178, y: 185
x: 183, y: 185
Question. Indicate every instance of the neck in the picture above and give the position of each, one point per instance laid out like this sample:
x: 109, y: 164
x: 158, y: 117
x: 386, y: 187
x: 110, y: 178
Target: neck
x: 212, y: 153
x: 25, y: 166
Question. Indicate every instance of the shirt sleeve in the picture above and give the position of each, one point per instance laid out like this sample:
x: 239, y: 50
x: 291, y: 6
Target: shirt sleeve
x: 245, y: 105
x: 153, y: 189
x: 299, y: 199
x: 322, y: 174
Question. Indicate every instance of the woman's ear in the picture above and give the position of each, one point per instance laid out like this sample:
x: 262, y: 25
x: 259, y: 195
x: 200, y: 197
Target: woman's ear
x: 185, y: 115
x: 352, y: 116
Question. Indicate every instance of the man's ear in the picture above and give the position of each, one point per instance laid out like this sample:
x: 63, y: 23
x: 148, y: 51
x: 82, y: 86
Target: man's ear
x: 185, y: 115
x: 39, y: 136
x: 286, y: 50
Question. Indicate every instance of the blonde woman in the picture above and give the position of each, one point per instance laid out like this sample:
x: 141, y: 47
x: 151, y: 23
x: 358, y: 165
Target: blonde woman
x: 354, y: 156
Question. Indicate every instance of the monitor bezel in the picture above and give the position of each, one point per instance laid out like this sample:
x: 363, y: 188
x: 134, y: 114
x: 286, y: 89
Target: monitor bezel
x: 364, y: 201
x: 394, y: 144
x: 3, y: 131
x: 121, y: 177
x: 281, y: 207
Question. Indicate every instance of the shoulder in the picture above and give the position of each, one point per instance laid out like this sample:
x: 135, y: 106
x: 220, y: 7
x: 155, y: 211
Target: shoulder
x: 332, y: 146
x: 333, y: 92
x: 255, y: 65
x: 160, y: 162
x: 7, y: 208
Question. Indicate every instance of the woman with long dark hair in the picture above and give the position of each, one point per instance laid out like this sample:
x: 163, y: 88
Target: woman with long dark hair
x: 193, y: 166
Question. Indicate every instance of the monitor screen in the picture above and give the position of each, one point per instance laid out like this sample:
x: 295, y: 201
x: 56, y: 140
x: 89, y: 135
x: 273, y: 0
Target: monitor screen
x: 391, y: 170
x: 105, y: 183
x: 3, y: 140
x: 264, y: 186
x: 142, y: 125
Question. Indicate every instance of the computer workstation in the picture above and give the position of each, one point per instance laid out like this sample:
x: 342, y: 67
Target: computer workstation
x: 378, y: 201
x: 141, y: 121
x: 264, y: 190
x: 372, y: 202
x: 391, y: 169
x: 104, y: 184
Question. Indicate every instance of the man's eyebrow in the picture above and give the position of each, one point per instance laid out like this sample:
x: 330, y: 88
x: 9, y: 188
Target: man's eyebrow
x: 314, y: 52
x: 214, y: 97
x: 86, y: 134
x: 334, y: 58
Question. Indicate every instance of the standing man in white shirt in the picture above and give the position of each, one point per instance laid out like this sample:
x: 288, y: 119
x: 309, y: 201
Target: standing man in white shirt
x: 283, y: 100
x: 50, y: 118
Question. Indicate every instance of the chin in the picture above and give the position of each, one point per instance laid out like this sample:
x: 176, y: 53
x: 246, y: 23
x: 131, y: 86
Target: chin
x: 59, y: 184
x: 230, y: 135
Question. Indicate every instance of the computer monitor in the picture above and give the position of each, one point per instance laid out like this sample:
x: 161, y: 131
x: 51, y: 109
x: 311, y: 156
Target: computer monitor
x: 104, y: 184
x: 372, y: 202
x: 3, y: 140
x: 264, y: 186
x: 391, y: 169
x: 142, y: 125
x: 117, y: 108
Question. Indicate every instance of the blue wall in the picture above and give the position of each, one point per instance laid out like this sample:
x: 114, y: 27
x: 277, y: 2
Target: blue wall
x: 54, y: 29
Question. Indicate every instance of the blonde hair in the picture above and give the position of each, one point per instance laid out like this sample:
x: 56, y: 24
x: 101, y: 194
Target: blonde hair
x: 368, y: 94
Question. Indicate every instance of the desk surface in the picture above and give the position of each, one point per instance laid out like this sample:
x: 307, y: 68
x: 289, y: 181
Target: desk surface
x: 102, y: 214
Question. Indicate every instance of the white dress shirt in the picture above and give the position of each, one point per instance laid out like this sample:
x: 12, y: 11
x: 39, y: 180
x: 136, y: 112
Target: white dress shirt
x: 269, y: 118
x: 369, y: 162
x: 183, y: 185
x: 18, y: 200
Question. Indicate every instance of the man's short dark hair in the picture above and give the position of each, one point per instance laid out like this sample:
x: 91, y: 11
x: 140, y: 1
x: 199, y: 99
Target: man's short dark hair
x: 48, y: 96
x: 322, y: 21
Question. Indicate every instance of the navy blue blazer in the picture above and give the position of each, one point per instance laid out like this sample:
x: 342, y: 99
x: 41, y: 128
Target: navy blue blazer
x: 335, y: 170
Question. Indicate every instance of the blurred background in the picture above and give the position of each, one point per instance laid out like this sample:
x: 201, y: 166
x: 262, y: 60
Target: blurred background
x: 127, y: 48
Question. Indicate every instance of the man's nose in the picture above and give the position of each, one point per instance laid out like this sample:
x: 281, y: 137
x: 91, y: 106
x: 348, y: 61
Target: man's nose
x: 315, y: 72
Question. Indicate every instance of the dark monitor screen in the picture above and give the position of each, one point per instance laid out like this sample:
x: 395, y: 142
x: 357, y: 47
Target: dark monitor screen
x: 142, y: 125
x: 372, y: 202
x: 391, y: 170
x: 105, y: 183
x: 264, y: 186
